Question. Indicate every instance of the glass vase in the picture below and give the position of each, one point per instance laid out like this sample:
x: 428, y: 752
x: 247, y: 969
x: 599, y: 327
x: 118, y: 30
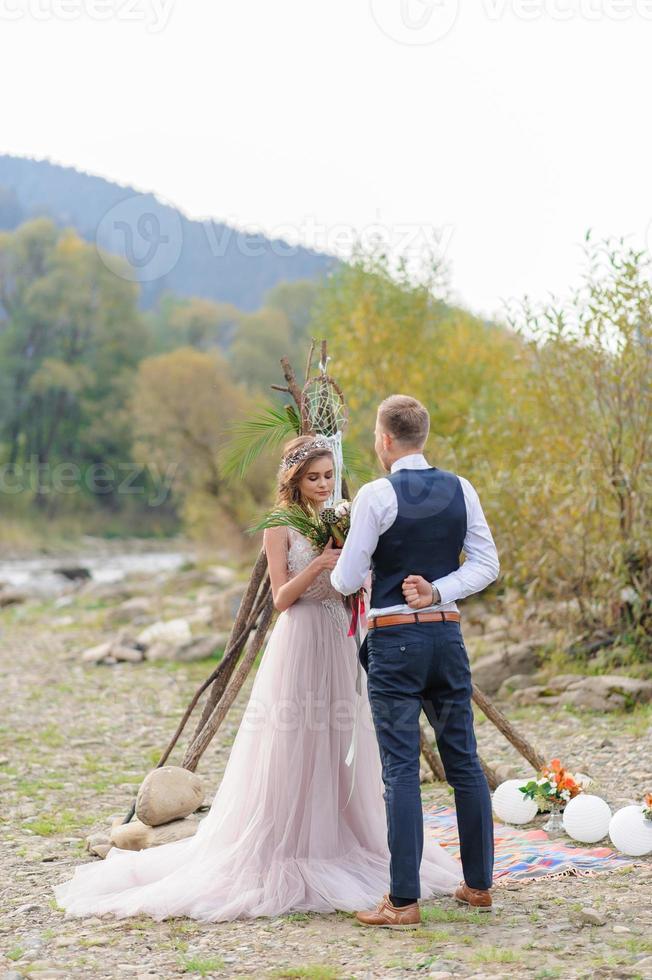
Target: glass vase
x: 554, y: 826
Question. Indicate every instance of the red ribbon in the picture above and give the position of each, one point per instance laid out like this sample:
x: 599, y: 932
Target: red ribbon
x: 357, y: 611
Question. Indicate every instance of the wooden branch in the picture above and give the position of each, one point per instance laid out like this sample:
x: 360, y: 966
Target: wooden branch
x: 431, y: 756
x: 310, y: 355
x: 521, y: 744
x: 200, y: 744
x: 293, y: 387
x: 492, y: 778
x: 250, y: 608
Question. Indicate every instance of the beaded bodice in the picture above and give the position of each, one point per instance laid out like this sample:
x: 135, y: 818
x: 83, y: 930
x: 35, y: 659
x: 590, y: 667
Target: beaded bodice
x: 301, y: 552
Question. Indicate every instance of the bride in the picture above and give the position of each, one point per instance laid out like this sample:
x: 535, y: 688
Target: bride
x: 292, y: 827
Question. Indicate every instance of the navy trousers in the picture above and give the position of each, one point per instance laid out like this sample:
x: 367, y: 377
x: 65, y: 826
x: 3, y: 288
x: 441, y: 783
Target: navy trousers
x: 410, y: 667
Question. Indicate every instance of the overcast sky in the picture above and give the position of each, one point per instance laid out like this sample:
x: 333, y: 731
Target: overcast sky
x: 501, y: 131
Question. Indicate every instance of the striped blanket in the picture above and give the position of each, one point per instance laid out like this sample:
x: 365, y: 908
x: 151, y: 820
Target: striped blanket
x: 523, y: 854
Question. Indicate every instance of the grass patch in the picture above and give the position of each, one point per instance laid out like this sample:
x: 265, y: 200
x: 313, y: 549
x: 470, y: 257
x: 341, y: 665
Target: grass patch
x: 636, y: 945
x: 62, y: 822
x: 495, y: 954
x: 15, y: 953
x: 636, y: 722
x: 202, y: 966
x: 51, y: 735
x: 315, y: 972
x: 432, y: 935
x: 456, y: 915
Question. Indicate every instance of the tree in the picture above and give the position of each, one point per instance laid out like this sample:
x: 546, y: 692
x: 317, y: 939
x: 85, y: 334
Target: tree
x: 589, y: 390
x: 261, y: 340
x: 194, y: 322
x: 70, y: 339
x: 182, y: 406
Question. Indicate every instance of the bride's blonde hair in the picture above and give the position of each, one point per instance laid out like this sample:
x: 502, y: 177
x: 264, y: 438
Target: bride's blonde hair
x: 289, y: 478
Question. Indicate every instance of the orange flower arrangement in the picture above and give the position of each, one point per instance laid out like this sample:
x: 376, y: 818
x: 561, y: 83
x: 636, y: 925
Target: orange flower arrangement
x: 554, y: 785
x: 647, y: 806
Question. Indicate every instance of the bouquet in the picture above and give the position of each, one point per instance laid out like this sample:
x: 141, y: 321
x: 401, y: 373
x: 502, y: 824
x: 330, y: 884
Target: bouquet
x: 320, y: 526
x: 554, y: 785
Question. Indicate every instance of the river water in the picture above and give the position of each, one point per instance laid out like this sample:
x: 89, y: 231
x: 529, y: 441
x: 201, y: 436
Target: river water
x: 38, y: 576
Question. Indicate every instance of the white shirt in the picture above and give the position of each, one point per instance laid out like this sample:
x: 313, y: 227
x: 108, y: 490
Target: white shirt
x: 374, y: 510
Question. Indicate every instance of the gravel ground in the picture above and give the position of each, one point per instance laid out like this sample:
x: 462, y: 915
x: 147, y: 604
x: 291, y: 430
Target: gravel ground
x: 75, y: 742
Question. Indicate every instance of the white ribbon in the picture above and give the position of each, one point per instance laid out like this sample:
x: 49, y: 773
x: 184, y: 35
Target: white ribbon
x: 338, y: 466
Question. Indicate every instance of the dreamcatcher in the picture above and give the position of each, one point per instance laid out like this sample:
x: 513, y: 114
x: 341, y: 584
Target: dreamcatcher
x: 324, y: 412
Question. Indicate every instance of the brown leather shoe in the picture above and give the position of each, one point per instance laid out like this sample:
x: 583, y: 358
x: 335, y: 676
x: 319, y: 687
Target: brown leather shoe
x: 387, y: 916
x: 478, y: 898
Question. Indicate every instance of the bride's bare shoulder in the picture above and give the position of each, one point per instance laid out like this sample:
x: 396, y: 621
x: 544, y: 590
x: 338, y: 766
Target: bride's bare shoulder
x: 276, y: 538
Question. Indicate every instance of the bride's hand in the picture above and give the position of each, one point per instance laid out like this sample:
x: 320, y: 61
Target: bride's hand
x: 328, y: 558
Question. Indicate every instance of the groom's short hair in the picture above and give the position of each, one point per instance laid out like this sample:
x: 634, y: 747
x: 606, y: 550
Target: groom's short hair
x: 405, y: 418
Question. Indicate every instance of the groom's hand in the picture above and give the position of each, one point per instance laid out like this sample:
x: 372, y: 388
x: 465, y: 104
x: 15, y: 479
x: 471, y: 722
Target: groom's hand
x: 418, y: 592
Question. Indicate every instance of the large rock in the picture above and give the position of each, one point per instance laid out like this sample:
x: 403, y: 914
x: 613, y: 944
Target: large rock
x: 220, y: 575
x: 168, y: 793
x: 172, y: 631
x: 606, y: 692
x: 98, y: 844
x: 201, y: 616
x: 126, y: 654
x: 490, y: 671
x: 535, y: 695
x: 514, y: 683
x: 559, y: 682
x: 111, y: 651
x: 202, y: 647
x: 12, y: 597
x: 199, y: 648
x: 136, y: 610
x: 136, y: 836
x: 96, y: 654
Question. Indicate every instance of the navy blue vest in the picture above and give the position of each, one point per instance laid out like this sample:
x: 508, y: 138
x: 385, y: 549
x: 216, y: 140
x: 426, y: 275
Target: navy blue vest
x: 427, y: 536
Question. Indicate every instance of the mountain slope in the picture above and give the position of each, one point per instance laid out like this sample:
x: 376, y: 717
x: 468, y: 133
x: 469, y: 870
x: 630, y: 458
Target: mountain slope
x: 165, y: 249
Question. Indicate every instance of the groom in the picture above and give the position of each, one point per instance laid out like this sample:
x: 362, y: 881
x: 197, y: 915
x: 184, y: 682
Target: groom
x: 418, y: 519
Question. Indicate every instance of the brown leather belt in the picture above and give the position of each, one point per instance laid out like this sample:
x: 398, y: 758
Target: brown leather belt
x: 397, y: 619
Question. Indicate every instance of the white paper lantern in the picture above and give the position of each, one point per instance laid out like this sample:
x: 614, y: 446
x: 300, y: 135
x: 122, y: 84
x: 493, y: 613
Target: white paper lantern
x: 511, y: 805
x: 586, y: 818
x: 630, y: 832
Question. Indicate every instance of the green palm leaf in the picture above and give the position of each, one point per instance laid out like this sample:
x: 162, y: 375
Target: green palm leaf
x: 294, y: 516
x: 251, y: 437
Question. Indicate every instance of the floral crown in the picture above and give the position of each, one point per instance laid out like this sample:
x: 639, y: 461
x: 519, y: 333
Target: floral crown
x: 303, y: 452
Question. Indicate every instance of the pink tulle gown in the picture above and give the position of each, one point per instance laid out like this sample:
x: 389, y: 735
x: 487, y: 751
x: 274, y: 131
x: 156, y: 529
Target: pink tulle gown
x: 280, y: 835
